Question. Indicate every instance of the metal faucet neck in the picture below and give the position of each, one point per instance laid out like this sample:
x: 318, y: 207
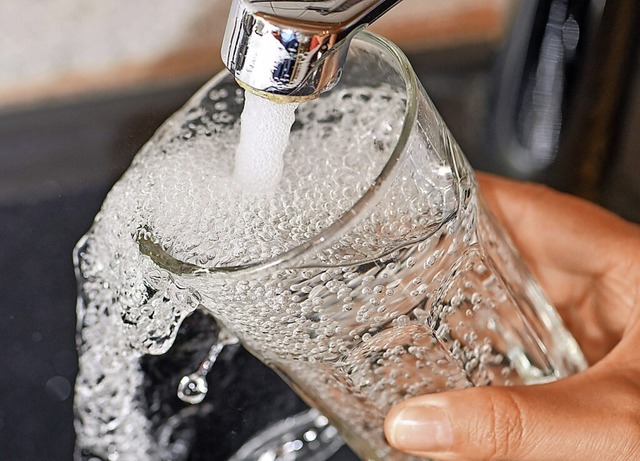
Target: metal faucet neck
x: 293, y: 50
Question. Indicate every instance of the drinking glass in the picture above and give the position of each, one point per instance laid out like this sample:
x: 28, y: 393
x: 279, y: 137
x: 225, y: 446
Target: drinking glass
x: 414, y: 289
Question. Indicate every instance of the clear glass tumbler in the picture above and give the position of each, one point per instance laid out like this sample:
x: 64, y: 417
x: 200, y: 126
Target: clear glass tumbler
x: 413, y: 289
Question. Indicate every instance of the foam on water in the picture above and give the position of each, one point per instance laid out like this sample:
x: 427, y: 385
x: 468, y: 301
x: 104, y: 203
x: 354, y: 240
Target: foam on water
x: 264, y: 135
x: 190, y: 201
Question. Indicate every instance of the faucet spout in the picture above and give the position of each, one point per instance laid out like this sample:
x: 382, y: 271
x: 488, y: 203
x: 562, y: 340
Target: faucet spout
x: 293, y: 50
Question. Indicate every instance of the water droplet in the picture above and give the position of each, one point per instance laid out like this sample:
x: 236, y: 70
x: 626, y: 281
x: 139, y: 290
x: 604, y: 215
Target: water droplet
x: 193, y: 388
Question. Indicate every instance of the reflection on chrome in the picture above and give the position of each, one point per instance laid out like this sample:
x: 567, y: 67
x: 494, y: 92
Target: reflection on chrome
x: 293, y: 50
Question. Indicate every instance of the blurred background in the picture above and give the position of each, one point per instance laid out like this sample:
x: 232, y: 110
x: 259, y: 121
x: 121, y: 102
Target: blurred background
x: 544, y: 90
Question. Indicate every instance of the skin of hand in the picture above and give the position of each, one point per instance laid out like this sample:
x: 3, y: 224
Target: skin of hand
x: 588, y: 262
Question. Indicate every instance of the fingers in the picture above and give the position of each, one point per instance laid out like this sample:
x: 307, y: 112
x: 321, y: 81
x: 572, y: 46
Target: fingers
x: 556, y: 229
x: 584, y: 417
x: 586, y: 259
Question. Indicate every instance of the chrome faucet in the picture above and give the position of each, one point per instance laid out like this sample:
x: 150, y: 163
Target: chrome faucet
x: 293, y: 50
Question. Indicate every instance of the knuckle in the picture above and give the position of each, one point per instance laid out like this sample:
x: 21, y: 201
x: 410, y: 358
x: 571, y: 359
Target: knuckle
x: 505, y: 428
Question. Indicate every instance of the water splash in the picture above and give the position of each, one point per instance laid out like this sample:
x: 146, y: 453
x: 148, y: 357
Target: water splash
x: 193, y: 388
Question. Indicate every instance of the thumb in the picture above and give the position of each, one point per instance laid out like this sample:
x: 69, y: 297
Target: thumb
x: 582, y: 417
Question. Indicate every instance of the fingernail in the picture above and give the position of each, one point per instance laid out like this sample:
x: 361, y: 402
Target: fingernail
x: 421, y: 428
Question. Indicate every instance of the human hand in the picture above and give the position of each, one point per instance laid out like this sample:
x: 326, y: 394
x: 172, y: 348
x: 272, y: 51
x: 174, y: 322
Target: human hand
x: 588, y: 262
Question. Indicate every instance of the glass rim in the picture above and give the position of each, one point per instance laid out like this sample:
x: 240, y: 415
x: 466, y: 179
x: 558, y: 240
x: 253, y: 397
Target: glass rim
x: 352, y: 216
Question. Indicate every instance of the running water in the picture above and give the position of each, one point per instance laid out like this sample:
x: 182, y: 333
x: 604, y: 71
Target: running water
x: 264, y: 135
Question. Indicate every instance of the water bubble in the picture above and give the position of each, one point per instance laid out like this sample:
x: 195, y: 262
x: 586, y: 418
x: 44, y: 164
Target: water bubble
x: 401, y: 321
x: 193, y: 388
x: 310, y: 436
x: 368, y: 279
x: 221, y: 106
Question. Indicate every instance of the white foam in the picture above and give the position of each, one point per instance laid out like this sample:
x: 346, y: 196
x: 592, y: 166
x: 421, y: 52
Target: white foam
x: 189, y: 197
x: 264, y: 135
